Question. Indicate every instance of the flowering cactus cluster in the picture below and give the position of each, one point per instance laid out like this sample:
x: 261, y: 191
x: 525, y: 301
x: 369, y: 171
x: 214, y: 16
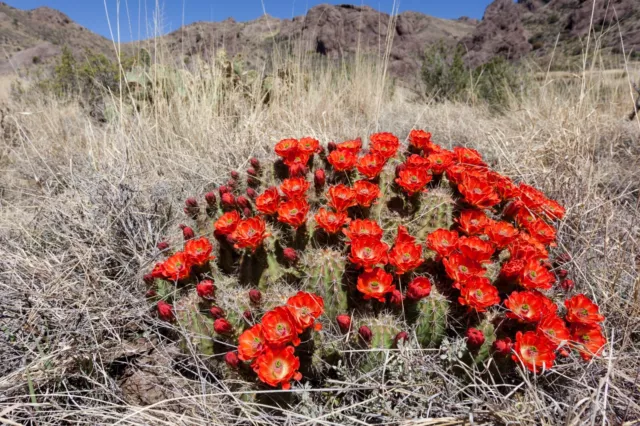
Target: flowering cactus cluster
x: 382, y: 247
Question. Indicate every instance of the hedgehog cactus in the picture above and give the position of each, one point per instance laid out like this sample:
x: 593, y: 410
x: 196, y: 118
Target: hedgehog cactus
x: 331, y: 251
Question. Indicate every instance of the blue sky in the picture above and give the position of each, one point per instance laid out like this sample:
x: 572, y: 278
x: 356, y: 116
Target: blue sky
x: 137, y: 22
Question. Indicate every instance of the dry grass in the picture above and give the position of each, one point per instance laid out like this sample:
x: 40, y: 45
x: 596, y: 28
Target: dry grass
x: 82, y: 205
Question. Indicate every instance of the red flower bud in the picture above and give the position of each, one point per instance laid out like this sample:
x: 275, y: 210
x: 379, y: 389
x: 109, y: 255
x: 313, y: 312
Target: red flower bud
x: 243, y: 202
x: 547, y: 264
x: 297, y: 169
x: 151, y: 293
x: 255, y: 163
x: 567, y: 285
x: 255, y: 296
x: 251, y: 193
x: 148, y: 279
x: 222, y: 326
x: 232, y: 183
x: 344, y: 322
x: 365, y: 334
x: 290, y: 254
x: 223, y: 190
x: 562, y: 273
x: 400, y: 168
x: 235, y: 175
x: 191, y: 202
x: 563, y: 258
x: 396, y: 297
x: 248, y: 315
x: 503, y: 346
x: 418, y: 288
x: 228, y: 200
x: 210, y: 198
x: 162, y: 245
x: 403, y: 335
x: 319, y: 178
x: 564, y: 352
x: 252, y: 172
x: 232, y: 359
x: 246, y: 212
x: 165, y: 311
x: 206, y: 289
x: 475, y: 338
x: 216, y: 312
x: 331, y: 146
x: 187, y: 233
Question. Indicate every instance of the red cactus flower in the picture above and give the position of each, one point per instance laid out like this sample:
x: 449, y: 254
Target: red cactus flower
x: 413, y: 180
x: 440, y: 161
x: 535, y: 276
x: 365, y: 334
x: 581, y: 310
x: 371, y: 165
x: 524, y: 247
x: 525, y: 306
x: 405, y: 256
x: 250, y: 233
x: 477, y: 192
x: 222, y: 326
x: 331, y: 222
x: 588, y: 340
x: 298, y: 167
x: 468, y: 156
x: 363, y: 228
x: 472, y: 222
x: 375, y: 284
x: 366, y: 192
x: 231, y: 359
x: 421, y: 140
x: 227, y: 223
x: 478, y: 294
x: 279, y: 327
x: 403, y: 336
x: 187, y: 233
x: 549, y: 305
x: 165, y: 311
x: 501, y: 233
x: 554, y: 329
x: 534, y: 351
x: 268, y: 202
x: 417, y: 161
x: 278, y: 366
x: 308, y: 145
x: 210, y: 198
x: 543, y: 232
x: 251, y: 343
x: 475, y: 338
x: 418, y: 288
x: 199, y: 251
x: 290, y: 254
x: 319, y: 178
x: 460, y: 268
x: 475, y: 248
x: 503, y: 346
x: 553, y: 210
x: 293, y: 212
x: 341, y: 197
x: 255, y: 296
x: 305, y: 309
x: 567, y: 285
x: 344, y: 323
x: 342, y: 161
x: 368, y: 252
x: 532, y: 198
x: 287, y: 147
x: 384, y: 144
x: 396, y: 298
x: 177, y: 267
x: 206, y: 289
x: 442, y: 241
x: 216, y: 312
x: 352, y: 146
x: 505, y: 187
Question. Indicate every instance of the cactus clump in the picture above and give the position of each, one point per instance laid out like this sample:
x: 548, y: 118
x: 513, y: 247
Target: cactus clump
x: 325, y: 269
x: 430, y: 316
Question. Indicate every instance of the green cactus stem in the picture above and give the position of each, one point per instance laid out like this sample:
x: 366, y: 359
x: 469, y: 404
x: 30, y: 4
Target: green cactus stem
x: 324, y: 269
x: 430, y: 318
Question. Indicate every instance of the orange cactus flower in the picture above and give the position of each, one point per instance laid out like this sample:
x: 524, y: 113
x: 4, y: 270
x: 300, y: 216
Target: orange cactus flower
x: 375, y: 284
x: 460, y: 268
x: 296, y: 160
x: 501, y: 233
x: 342, y: 161
x: 371, y: 165
x: 405, y: 255
x: 505, y: 187
x: 177, y: 267
x: 478, y: 294
x: 199, y: 251
x: 341, y: 197
x: 525, y: 306
x: 308, y: 145
x: 331, y: 222
x: 279, y: 327
x: 526, y: 247
x: 287, y: 147
x: 553, y: 210
x: 251, y: 343
x: 305, y: 309
x: 440, y: 161
x: 477, y: 192
x: 543, y: 232
x: 227, y: 223
x: 535, y: 276
x: 293, y: 212
x: 475, y: 248
x: 352, y: 146
x: 512, y: 268
x: 534, y: 351
x: 421, y: 140
x: 366, y: 192
x: 524, y: 217
x: 278, y: 366
x: 472, y: 222
x: 588, y: 339
x: 413, y: 180
x: 554, y: 328
x: 293, y: 188
x: 368, y: 252
x: 549, y: 305
x: 363, y: 228
x: 417, y: 161
x: 250, y: 233
x: 457, y: 171
x: 442, y: 241
x: 581, y: 310
x: 468, y: 156
x: 532, y: 198
x: 268, y: 202
x: 385, y: 144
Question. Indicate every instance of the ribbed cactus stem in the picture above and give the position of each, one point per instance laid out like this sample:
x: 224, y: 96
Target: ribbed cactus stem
x: 481, y: 354
x: 436, y: 212
x: 325, y: 269
x: 430, y: 318
x: 197, y: 326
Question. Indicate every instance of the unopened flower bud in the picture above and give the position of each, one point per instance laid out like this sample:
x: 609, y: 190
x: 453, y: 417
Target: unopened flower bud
x: 418, y: 288
x: 232, y: 183
x: 331, y: 146
x: 402, y: 336
x: 251, y: 193
x: 222, y: 326
x: 206, y: 289
x: 216, y: 312
x: 223, y: 190
x: 252, y: 172
x: 562, y: 273
x: 503, y: 346
x: 365, y: 334
x: 290, y: 254
x: 151, y: 293
x: 210, y: 198
x: 243, y: 202
x: 567, y: 284
x: 563, y: 258
x: 255, y: 163
x: 162, y: 245
x: 564, y: 352
x: 232, y: 359
x: 255, y: 296
x: 228, y: 200
x: 165, y: 311
x: 344, y: 322
x: 396, y: 297
x: 400, y: 168
x: 235, y: 175
x: 246, y: 212
x: 297, y: 170
x: 187, y: 233
x: 475, y: 338
x: 148, y: 279
x: 319, y: 178
x: 248, y: 315
x: 191, y: 202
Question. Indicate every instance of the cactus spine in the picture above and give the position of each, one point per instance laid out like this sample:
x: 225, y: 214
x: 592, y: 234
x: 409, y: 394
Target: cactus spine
x: 430, y: 317
x: 325, y: 269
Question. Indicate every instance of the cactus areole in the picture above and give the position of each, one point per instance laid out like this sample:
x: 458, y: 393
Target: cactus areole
x: 372, y: 246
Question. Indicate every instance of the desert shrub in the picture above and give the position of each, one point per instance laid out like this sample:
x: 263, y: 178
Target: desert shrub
x: 444, y: 75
